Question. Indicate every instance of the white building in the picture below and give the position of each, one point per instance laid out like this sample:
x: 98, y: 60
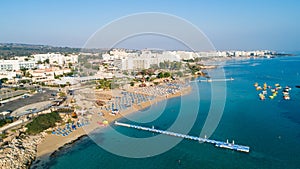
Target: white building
x: 10, y: 65
x: 184, y: 55
x: 145, y: 60
x: 119, y: 53
x: 47, y: 75
x: 108, y: 57
x: 56, y: 58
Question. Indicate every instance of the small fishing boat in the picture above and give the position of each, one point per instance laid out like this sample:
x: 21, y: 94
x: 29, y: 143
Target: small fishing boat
x: 286, y: 97
x: 265, y: 86
x: 285, y: 93
x: 287, y: 88
x: 264, y: 92
x: 258, y: 88
x: 261, y: 96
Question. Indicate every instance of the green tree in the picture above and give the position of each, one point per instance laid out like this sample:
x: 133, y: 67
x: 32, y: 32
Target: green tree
x: 160, y: 75
x: 70, y: 65
x: 27, y: 74
x: 47, y: 61
x: 131, y: 83
x: 144, y: 72
x: 4, y: 80
x: 23, y: 70
x: 167, y: 74
x: 105, y: 84
x: 148, y: 78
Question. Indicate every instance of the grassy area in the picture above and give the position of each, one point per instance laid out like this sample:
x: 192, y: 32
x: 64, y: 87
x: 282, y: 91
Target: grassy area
x: 43, y: 122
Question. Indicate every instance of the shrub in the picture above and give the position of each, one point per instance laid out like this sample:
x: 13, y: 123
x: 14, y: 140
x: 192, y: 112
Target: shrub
x: 43, y: 122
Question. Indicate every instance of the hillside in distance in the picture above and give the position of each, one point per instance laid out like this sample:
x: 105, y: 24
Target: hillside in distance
x: 8, y: 50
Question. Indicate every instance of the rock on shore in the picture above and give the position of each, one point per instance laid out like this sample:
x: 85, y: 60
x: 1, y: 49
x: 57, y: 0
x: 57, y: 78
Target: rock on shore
x: 20, y: 152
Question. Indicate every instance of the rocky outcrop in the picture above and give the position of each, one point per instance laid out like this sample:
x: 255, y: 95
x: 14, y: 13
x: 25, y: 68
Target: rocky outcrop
x: 20, y: 152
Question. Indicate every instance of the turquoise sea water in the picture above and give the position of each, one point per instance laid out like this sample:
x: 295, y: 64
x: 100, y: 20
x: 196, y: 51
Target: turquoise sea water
x: 271, y: 128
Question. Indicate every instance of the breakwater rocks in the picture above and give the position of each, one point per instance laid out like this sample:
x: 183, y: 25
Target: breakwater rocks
x: 20, y: 152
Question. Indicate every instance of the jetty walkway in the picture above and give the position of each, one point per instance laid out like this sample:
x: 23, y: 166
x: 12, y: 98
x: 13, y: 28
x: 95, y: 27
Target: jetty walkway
x: 220, y: 144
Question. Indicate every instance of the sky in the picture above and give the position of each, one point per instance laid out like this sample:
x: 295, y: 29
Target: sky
x: 229, y: 25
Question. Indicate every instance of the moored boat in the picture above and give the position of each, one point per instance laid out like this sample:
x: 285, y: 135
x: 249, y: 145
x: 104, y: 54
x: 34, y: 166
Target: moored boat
x: 286, y: 97
x: 258, y: 88
x: 261, y: 96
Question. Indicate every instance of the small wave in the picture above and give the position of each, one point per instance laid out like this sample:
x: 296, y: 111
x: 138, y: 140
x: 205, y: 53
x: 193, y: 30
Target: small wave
x: 255, y: 64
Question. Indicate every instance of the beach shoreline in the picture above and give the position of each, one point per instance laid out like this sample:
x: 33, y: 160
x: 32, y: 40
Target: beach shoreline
x: 53, y: 143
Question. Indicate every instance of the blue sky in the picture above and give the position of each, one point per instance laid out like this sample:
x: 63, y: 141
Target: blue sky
x: 228, y: 24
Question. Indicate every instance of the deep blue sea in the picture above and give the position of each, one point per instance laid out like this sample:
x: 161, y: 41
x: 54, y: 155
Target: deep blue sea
x: 271, y: 127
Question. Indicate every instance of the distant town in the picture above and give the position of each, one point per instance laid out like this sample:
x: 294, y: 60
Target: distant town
x: 64, y: 68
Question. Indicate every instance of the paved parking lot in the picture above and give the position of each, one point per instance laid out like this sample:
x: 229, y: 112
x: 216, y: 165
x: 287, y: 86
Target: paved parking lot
x: 38, y: 97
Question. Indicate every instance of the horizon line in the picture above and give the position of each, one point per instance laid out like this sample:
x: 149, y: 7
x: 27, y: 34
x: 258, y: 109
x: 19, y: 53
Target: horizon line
x: 65, y: 46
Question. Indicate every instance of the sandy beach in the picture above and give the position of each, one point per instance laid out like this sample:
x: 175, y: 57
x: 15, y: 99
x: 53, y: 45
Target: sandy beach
x: 52, y: 143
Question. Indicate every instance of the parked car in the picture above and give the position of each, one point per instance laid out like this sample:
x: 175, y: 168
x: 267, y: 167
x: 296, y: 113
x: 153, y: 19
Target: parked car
x: 25, y: 96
